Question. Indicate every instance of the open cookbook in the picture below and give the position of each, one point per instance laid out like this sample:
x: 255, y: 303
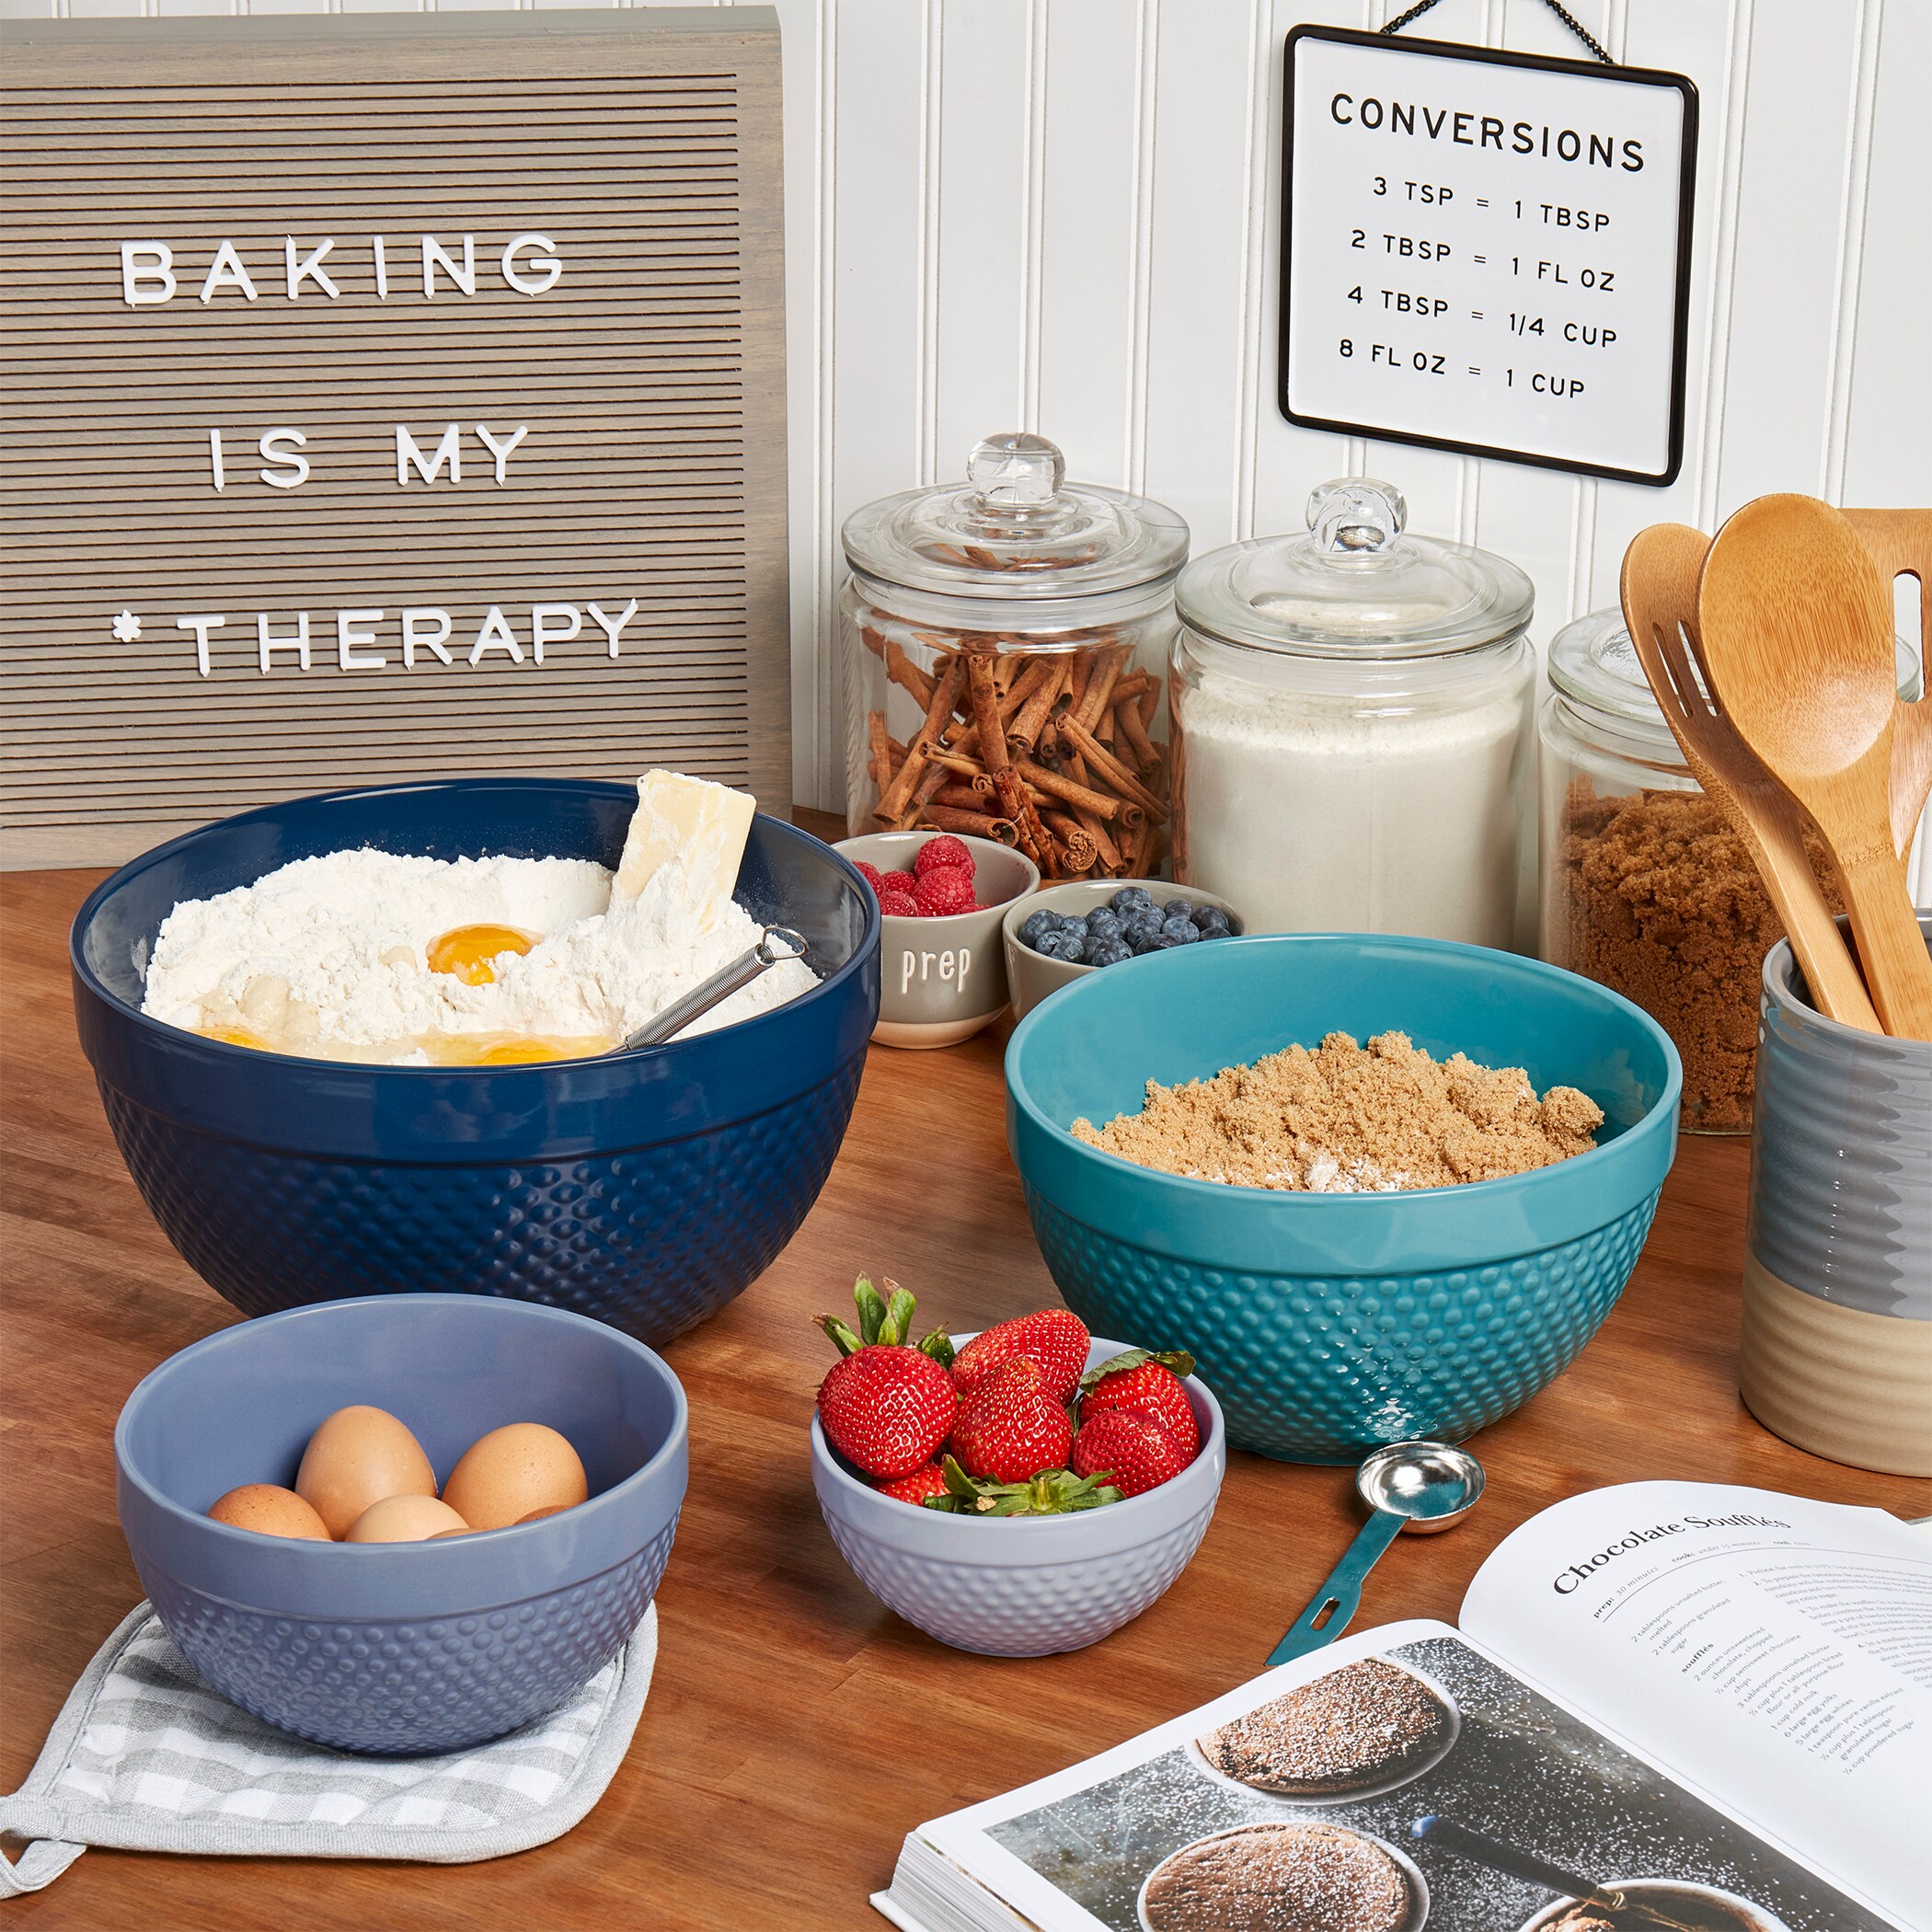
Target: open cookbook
x: 1714, y: 1703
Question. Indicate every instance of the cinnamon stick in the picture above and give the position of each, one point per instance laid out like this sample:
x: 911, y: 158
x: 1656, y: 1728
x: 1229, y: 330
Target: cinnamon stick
x: 1107, y: 767
x: 1074, y: 839
x: 1099, y: 689
x: 1055, y: 785
x: 1023, y: 732
x: 904, y: 672
x: 1127, y: 719
x: 881, y: 741
x: 974, y: 824
x: 938, y: 710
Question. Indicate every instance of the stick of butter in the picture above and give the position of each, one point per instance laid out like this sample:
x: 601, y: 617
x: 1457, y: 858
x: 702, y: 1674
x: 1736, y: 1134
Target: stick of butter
x: 685, y: 843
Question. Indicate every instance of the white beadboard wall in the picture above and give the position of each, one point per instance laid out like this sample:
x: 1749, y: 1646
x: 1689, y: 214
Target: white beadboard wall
x: 1060, y: 215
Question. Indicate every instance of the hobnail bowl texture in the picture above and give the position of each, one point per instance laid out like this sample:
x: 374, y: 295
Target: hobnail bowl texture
x: 1021, y: 1587
x: 402, y: 1648
x: 646, y: 1190
x: 1330, y: 1323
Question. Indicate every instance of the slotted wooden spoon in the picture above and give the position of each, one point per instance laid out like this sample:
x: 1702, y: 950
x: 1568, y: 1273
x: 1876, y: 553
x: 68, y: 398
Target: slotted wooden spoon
x: 1900, y: 545
x: 1659, y: 595
x: 1796, y: 629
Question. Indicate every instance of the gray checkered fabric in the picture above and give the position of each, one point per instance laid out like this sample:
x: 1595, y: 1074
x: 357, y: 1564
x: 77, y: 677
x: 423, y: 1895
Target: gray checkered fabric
x: 146, y: 1757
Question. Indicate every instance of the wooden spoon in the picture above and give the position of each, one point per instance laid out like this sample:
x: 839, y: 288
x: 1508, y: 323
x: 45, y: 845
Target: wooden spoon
x: 1900, y: 545
x: 1660, y: 594
x: 1796, y: 631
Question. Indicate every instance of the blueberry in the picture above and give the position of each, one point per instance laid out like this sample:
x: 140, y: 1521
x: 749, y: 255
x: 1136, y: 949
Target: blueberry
x: 1144, y: 940
x: 1178, y: 909
x: 1129, y: 897
x: 1103, y: 923
x: 1070, y: 946
x: 1036, y: 927
x: 1210, y: 922
x: 1178, y: 932
x: 1073, y: 923
x: 1109, y: 952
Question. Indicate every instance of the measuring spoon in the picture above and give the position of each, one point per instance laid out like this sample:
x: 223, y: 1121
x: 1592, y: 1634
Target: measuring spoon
x: 1796, y: 628
x: 1417, y: 1487
x: 779, y: 942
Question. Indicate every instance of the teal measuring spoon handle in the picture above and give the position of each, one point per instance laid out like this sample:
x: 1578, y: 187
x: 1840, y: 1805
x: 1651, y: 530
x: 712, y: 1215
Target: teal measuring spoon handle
x: 1340, y: 1596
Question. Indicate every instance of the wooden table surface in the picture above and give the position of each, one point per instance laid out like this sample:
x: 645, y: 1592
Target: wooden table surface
x: 796, y: 1729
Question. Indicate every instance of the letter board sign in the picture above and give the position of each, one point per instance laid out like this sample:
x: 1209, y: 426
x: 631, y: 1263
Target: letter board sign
x: 388, y: 397
x: 1486, y: 251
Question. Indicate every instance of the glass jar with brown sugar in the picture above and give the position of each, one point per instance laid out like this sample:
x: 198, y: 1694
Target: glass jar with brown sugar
x: 1646, y: 889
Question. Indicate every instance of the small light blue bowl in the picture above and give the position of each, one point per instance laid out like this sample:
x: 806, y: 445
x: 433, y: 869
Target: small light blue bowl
x: 646, y: 1188
x: 1330, y: 1323
x: 1024, y: 1586
x: 402, y: 1648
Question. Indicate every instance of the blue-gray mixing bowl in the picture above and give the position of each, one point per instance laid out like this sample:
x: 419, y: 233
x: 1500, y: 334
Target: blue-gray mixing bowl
x: 646, y: 1190
x: 1020, y: 1586
x: 1330, y: 1323
x: 414, y: 1647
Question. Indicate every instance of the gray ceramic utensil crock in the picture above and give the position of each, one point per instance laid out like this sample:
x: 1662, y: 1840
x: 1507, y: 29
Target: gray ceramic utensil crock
x: 1837, y: 1341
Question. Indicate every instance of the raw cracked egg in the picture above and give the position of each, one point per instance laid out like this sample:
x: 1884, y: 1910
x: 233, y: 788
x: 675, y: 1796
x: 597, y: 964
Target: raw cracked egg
x: 270, y: 1511
x: 405, y: 1519
x: 469, y: 952
x: 513, y: 1472
x: 358, y: 1456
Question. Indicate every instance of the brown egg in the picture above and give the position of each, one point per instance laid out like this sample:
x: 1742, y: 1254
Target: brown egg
x: 511, y: 1471
x: 358, y: 1456
x: 405, y: 1519
x: 556, y: 1509
x: 269, y: 1511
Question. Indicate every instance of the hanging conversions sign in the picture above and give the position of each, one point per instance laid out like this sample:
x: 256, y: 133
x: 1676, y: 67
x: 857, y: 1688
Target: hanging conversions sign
x: 387, y: 397
x: 1486, y: 251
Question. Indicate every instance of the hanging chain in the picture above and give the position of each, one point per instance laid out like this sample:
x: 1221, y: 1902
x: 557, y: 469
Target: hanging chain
x: 1562, y: 13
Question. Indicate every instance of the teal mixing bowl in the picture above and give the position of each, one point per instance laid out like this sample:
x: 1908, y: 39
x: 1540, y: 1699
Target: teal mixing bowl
x: 1330, y: 1323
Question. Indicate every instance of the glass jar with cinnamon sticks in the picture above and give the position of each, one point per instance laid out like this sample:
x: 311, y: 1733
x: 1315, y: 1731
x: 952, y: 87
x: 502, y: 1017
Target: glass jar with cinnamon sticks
x: 1006, y: 641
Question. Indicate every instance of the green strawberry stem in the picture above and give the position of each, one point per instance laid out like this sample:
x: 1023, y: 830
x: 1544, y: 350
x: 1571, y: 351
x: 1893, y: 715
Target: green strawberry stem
x: 1054, y: 1492
x: 872, y: 1310
x: 840, y: 1335
x: 1178, y: 1360
x: 939, y: 1345
x: 897, y: 1326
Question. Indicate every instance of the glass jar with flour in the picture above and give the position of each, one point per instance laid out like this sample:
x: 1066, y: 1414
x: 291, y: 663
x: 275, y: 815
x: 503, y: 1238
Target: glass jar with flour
x: 1351, y: 713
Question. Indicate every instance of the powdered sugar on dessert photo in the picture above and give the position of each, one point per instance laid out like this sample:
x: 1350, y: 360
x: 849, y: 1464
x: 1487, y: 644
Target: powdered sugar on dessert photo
x: 410, y: 960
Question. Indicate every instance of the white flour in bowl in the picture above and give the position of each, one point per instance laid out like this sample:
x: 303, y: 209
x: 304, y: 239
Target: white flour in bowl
x: 327, y: 957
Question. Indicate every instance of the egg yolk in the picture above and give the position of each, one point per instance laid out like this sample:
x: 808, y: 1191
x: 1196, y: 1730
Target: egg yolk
x: 466, y: 951
x: 235, y: 1036
x: 509, y: 1049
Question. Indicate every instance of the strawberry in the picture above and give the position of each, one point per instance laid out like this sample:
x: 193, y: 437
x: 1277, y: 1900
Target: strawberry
x: 1133, y: 1449
x: 945, y: 850
x: 885, y: 1406
x: 1012, y: 1428
x: 943, y: 891
x: 929, y: 1480
x: 1149, y: 1386
x: 1054, y: 1338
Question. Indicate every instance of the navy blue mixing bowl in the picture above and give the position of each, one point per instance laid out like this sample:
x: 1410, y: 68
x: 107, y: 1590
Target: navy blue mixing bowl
x: 1330, y: 1323
x: 409, y: 1647
x: 646, y: 1190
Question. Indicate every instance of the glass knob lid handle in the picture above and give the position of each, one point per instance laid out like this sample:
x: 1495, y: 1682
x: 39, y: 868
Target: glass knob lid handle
x: 1354, y: 514
x: 1015, y: 472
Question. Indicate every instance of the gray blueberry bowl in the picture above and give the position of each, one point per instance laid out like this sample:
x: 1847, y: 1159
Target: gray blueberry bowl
x: 1065, y: 932
x: 1024, y: 1586
x: 402, y: 1648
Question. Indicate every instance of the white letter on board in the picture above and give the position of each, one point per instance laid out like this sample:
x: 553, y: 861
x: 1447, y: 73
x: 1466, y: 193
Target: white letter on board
x: 548, y: 262
x: 501, y: 450
x: 433, y: 252
x: 427, y: 625
x: 296, y: 473
x: 352, y: 628
x: 225, y: 271
x: 156, y: 268
x: 308, y: 268
x: 382, y: 268
x: 613, y: 627
x: 216, y: 467
x: 496, y: 635
x: 542, y: 633
x: 200, y: 627
x: 267, y: 645
x: 408, y: 451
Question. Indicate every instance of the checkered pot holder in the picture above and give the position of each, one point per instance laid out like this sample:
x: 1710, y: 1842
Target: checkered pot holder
x: 144, y: 1756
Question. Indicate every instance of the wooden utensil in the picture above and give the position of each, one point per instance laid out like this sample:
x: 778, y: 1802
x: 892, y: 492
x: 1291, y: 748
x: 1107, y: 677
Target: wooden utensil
x: 1900, y: 545
x: 1659, y: 595
x: 1795, y: 625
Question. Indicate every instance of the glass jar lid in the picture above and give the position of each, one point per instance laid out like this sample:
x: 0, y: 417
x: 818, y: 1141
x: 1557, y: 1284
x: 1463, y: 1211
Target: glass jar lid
x: 1017, y: 529
x: 1355, y: 585
x: 1594, y: 663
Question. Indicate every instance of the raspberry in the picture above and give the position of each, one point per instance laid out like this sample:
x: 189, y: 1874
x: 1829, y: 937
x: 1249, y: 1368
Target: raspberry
x: 944, y: 850
x: 871, y: 874
x: 943, y: 891
x: 899, y: 881
x: 898, y: 905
